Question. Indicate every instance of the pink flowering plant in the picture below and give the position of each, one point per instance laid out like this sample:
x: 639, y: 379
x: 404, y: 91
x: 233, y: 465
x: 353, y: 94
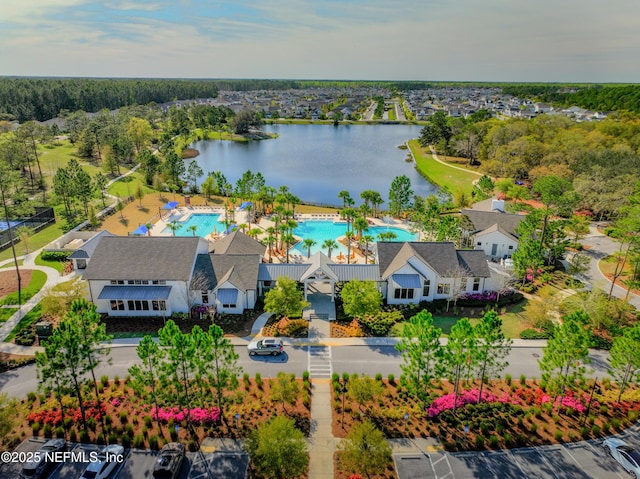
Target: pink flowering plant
x: 445, y: 403
x: 198, y: 415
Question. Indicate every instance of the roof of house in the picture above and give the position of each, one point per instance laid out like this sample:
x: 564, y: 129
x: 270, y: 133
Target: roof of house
x: 143, y: 257
x: 89, y: 246
x: 241, y: 270
x: 443, y: 258
x: 484, y: 219
x: 492, y: 229
x: 238, y: 243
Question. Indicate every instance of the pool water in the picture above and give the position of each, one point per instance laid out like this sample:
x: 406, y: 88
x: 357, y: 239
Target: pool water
x: 204, y: 223
x: 324, y: 230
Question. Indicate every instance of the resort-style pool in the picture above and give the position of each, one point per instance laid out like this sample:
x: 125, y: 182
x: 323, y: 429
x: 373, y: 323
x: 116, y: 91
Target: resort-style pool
x: 320, y: 231
x: 205, y: 224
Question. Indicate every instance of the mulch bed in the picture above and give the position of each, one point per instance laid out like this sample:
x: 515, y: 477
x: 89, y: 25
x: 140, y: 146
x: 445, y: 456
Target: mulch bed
x: 510, y: 426
x: 232, y: 325
x: 9, y: 280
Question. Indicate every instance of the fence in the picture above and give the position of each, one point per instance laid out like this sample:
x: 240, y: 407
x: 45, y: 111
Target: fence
x: 43, y: 218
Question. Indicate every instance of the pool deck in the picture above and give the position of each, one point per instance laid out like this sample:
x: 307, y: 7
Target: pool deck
x: 183, y: 213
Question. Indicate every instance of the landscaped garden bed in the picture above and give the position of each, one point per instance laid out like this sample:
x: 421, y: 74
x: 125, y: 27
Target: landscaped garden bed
x: 512, y: 413
x: 131, y: 422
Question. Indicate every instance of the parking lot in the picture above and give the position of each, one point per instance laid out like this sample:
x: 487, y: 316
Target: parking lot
x: 580, y: 460
x: 139, y: 464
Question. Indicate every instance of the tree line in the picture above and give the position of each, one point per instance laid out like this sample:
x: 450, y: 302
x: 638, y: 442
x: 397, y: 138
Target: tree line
x: 40, y: 99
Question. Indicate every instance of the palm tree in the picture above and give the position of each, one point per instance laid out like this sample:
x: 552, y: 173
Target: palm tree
x: 271, y: 240
x: 344, y: 194
x: 276, y: 226
x: 329, y: 245
x: 360, y: 224
x: 349, y: 235
x: 387, y: 236
x: 348, y: 214
x: 366, y: 239
x: 243, y: 226
x: 193, y: 229
x: 288, y: 239
x: 308, y: 243
x: 254, y: 232
x: 174, y: 226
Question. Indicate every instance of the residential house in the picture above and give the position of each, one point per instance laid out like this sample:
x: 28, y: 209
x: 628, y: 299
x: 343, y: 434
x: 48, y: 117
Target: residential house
x: 494, y: 231
x: 414, y: 272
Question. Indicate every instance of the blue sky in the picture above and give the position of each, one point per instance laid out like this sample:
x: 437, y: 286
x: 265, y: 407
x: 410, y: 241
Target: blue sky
x: 474, y: 40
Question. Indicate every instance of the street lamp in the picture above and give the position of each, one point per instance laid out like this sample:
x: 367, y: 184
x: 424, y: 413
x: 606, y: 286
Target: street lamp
x: 343, y: 390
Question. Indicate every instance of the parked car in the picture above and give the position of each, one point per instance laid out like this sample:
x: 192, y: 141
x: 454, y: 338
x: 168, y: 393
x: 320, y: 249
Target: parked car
x: 41, y: 467
x: 626, y: 455
x: 108, y: 458
x: 169, y: 461
x: 265, y: 346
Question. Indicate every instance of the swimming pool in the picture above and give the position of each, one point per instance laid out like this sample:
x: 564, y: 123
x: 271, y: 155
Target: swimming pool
x: 324, y: 230
x: 204, y: 223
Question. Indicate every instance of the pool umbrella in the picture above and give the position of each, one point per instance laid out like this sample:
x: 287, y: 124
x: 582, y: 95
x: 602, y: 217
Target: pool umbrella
x: 244, y: 205
x: 141, y: 230
x: 170, y: 205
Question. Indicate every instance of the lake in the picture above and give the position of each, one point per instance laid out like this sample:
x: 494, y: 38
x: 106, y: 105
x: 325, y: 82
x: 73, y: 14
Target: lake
x: 318, y: 161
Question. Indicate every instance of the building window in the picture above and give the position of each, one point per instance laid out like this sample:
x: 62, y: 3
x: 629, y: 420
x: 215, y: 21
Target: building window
x: 137, y: 305
x: 117, y: 281
x: 159, y: 305
x: 510, y: 246
x: 81, y: 263
x: 426, y: 287
x: 403, y: 293
x: 159, y: 281
x: 479, y: 243
x: 444, y: 288
x: 476, y: 284
x: 229, y: 306
x: 117, y: 305
x: 205, y: 297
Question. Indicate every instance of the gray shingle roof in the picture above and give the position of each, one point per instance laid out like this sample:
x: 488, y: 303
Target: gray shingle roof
x: 475, y: 262
x: 143, y: 257
x: 241, y: 270
x: 238, y: 243
x: 484, y: 219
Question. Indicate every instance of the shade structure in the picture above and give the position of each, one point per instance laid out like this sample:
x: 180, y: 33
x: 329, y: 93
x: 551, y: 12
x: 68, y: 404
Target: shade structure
x: 245, y: 204
x: 135, y: 292
x: 170, y: 205
x: 409, y: 281
x: 227, y: 295
x: 140, y: 230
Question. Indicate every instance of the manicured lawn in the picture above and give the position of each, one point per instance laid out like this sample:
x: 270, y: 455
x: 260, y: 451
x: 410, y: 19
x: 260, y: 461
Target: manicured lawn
x: 38, y: 279
x: 512, y: 323
x: 6, y: 313
x: 27, y: 320
x: 457, y: 181
x: 57, y: 156
x: 37, y: 241
x: 57, y: 265
x: 128, y: 186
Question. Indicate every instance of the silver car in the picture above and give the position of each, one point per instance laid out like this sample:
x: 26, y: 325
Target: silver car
x: 265, y: 347
x: 626, y: 455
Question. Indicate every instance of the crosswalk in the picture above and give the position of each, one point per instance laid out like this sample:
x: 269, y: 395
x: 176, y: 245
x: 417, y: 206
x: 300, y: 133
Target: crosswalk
x: 319, y: 362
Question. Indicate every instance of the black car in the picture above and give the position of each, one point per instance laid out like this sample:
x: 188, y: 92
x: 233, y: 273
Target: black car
x: 169, y: 461
x: 39, y: 468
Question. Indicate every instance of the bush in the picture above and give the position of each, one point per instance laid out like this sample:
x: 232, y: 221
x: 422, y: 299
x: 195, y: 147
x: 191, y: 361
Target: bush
x: 153, y: 443
x: 534, y: 334
x: 380, y: 323
x: 46, y: 431
x: 60, y: 256
x: 480, y: 441
x: 558, y: 435
x: 391, y: 378
x: 138, y: 441
x: 84, y: 436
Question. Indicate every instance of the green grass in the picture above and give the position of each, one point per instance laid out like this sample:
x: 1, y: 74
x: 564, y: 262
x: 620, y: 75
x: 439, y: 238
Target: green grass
x: 57, y: 265
x: 37, y: 241
x: 27, y: 320
x: 456, y: 181
x: 38, y: 279
x: 57, y: 156
x: 128, y: 186
x: 6, y: 313
x: 512, y: 323
x: 134, y: 335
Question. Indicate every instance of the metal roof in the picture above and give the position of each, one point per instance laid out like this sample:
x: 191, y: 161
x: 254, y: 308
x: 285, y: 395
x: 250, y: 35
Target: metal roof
x: 227, y: 295
x: 410, y: 281
x: 362, y: 272
x: 135, y: 292
x: 271, y: 272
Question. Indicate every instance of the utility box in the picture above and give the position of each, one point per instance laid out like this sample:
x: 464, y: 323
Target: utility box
x: 44, y: 329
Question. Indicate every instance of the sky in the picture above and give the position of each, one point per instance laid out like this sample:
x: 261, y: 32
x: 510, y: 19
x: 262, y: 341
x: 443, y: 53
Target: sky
x: 438, y: 40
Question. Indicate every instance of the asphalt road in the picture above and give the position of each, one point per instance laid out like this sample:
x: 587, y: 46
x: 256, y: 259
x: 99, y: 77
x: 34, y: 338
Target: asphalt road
x: 368, y: 360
